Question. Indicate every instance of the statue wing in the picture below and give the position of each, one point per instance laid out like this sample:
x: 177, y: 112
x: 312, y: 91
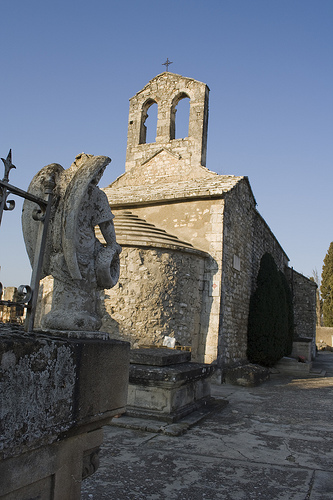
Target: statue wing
x: 73, y: 200
x: 30, y: 227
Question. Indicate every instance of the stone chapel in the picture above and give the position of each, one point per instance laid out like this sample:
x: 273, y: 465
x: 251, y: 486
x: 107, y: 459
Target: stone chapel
x: 192, y: 239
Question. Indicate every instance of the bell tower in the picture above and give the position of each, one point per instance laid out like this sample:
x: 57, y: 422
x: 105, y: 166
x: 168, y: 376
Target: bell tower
x: 166, y: 90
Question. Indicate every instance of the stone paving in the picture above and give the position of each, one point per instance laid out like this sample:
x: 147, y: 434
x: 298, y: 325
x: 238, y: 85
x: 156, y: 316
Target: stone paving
x: 270, y: 442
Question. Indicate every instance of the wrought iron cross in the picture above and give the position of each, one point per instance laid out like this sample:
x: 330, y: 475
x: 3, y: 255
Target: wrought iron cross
x: 167, y: 64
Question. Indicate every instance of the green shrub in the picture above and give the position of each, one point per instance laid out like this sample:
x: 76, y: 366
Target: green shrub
x: 270, y: 322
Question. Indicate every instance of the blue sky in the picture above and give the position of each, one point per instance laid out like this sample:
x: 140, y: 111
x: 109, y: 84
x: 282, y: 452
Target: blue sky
x: 69, y: 67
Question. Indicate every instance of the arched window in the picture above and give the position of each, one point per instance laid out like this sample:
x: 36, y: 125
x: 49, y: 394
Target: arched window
x: 148, y: 126
x: 179, y: 125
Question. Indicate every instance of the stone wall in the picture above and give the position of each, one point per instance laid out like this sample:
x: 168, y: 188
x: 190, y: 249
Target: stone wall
x: 236, y: 274
x: 246, y: 237
x: 229, y: 228
x: 159, y: 294
x: 304, y: 300
x: 198, y: 222
x: 263, y: 240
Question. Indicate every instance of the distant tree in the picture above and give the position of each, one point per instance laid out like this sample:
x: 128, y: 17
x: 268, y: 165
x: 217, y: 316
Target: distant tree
x: 270, y: 323
x: 326, y: 288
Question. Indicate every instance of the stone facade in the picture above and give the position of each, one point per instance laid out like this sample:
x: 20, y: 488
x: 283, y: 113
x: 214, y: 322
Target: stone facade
x: 217, y: 214
x: 166, y: 184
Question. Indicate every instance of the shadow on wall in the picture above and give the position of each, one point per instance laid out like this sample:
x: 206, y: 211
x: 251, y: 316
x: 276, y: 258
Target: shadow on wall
x: 108, y: 322
x: 209, y: 322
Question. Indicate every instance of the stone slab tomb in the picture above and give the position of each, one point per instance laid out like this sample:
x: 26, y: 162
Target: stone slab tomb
x: 165, y: 385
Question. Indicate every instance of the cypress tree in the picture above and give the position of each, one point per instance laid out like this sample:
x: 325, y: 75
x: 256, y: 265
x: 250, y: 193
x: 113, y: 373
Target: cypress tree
x: 270, y: 322
x: 326, y: 288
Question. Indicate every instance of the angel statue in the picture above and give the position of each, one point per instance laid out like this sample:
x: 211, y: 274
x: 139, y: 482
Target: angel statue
x: 79, y: 263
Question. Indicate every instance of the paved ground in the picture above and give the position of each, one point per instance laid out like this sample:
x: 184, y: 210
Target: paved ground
x: 270, y: 442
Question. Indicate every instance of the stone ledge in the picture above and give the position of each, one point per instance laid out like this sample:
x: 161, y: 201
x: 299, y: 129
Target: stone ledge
x: 158, y: 356
x: 169, y: 375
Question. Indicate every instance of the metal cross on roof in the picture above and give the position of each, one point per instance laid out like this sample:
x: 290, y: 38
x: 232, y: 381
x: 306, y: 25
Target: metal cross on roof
x: 167, y: 64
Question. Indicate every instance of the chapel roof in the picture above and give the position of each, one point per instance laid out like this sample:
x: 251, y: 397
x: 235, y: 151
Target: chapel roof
x: 208, y: 187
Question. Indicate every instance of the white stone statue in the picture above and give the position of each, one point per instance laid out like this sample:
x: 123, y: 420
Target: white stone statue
x: 78, y: 262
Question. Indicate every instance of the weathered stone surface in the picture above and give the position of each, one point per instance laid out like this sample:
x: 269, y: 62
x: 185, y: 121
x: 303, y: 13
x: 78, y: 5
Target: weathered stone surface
x: 167, y: 90
x: 168, y: 392
x: 55, y: 395
x: 158, y: 357
x: 157, y: 295
x: 171, y: 374
x: 50, y: 472
x: 304, y: 295
x: 49, y: 386
x: 78, y: 262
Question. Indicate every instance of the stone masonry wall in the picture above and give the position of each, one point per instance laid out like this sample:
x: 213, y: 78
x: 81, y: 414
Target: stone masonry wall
x: 198, y: 222
x: 158, y: 294
x: 246, y: 237
x: 166, y: 90
x: 265, y: 241
x: 304, y: 300
x: 236, y: 277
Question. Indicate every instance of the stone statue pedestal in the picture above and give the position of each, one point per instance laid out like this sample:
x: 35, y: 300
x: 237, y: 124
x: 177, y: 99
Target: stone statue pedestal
x: 56, y: 393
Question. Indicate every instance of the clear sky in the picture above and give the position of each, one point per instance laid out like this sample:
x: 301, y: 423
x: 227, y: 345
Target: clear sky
x: 68, y: 68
